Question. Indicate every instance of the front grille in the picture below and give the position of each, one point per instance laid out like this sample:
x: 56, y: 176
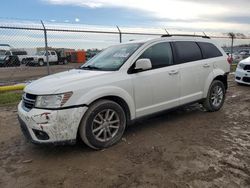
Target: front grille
x: 29, y: 101
x: 247, y: 67
x: 246, y: 79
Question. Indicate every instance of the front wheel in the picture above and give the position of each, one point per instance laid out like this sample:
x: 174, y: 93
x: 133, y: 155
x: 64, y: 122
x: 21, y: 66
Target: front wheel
x: 215, y: 97
x: 103, y: 124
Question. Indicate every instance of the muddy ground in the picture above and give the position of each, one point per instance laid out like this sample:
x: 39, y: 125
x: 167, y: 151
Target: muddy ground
x: 184, y: 148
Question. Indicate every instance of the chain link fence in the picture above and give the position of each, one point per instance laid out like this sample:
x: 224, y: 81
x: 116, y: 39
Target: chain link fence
x: 33, y: 49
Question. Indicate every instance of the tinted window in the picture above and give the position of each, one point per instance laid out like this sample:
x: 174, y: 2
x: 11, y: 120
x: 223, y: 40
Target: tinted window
x: 53, y: 53
x: 209, y: 50
x: 19, y: 53
x: 159, y: 54
x: 187, y: 51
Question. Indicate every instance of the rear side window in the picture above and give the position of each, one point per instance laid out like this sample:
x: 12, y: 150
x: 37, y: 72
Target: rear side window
x: 186, y: 51
x: 209, y: 50
x: 53, y: 53
x: 159, y: 54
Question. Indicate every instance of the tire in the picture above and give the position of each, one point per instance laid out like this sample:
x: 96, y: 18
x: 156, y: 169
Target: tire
x: 215, y: 97
x: 93, y: 125
x: 65, y: 61
x: 40, y: 62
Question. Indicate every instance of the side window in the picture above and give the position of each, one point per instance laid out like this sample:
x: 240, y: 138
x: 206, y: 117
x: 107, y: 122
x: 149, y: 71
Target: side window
x: 53, y: 53
x: 209, y: 50
x: 46, y: 53
x: 8, y: 53
x: 186, y: 51
x: 159, y: 54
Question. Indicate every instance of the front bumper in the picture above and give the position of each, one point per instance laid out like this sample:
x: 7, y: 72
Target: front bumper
x: 242, y: 76
x: 50, y: 126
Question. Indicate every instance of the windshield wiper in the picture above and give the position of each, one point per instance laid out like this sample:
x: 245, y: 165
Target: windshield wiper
x: 90, y: 67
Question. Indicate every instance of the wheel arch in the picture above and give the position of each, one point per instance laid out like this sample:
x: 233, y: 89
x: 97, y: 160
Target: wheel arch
x: 116, y: 94
x: 217, y: 74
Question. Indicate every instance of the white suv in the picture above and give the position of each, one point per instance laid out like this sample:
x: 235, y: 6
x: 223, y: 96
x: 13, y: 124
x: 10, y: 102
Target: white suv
x: 121, y: 84
x: 242, y: 73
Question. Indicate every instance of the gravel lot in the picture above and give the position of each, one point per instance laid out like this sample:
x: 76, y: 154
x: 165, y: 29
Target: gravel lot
x: 184, y: 148
x: 10, y: 75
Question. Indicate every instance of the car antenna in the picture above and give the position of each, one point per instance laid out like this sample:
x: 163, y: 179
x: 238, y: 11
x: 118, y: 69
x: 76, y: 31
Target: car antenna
x: 166, y: 31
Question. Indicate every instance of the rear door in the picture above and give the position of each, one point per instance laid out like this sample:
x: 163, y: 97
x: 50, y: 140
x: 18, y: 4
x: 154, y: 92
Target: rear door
x: 192, y: 77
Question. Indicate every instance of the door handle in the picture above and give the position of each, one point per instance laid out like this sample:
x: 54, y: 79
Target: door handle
x: 173, y: 72
x: 206, y: 65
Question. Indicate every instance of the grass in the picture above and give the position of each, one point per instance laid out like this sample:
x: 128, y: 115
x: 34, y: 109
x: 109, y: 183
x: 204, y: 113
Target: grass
x: 10, y: 98
x: 233, y: 67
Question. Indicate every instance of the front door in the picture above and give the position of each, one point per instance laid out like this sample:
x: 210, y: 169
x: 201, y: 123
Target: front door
x: 157, y: 89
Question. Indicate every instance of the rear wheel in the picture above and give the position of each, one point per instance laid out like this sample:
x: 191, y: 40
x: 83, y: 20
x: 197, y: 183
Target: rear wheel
x: 216, y: 96
x: 103, y: 124
x: 41, y: 62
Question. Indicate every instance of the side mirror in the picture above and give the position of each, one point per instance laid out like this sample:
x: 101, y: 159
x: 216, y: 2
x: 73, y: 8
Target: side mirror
x: 143, y: 64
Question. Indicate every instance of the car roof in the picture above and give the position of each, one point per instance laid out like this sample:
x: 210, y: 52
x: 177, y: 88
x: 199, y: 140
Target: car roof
x: 172, y: 38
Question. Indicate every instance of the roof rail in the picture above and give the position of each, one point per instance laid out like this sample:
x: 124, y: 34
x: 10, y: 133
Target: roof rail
x: 185, y: 35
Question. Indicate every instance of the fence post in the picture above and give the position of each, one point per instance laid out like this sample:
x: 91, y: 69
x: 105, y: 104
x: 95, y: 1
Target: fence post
x: 120, y: 34
x: 46, y: 47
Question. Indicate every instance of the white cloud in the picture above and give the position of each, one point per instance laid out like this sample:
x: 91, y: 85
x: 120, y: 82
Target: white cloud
x: 171, y: 9
x: 77, y: 20
x: 176, y: 12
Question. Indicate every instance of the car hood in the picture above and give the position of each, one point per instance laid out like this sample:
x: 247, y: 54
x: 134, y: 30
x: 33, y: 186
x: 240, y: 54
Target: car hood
x: 246, y: 61
x: 53, y: 83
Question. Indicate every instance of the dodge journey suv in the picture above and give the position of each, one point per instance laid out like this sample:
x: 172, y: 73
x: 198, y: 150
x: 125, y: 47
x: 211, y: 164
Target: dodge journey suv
x: 121, y: 84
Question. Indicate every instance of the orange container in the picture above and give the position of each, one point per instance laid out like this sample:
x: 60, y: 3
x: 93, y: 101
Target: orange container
x: 81, y: 56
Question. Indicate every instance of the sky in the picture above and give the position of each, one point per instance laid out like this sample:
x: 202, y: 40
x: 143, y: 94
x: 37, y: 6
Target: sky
x: 210, y: 16
x: 205, y: 15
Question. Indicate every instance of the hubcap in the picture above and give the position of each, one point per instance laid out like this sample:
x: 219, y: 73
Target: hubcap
x: 105, y: 125
x: 217, y: 96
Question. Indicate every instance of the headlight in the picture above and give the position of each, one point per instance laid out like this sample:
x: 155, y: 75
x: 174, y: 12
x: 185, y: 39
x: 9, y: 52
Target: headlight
x: 52, y: 101
x: 241, y: 66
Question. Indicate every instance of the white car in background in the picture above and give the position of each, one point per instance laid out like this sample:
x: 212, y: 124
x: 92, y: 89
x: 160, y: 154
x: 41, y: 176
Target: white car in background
x: 40, y: 58
x: 242, y: 73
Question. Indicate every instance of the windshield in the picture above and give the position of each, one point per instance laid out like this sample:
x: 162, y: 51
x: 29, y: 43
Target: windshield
x: 40, y: 53
x: 2, y: 52
x: 112, y: 58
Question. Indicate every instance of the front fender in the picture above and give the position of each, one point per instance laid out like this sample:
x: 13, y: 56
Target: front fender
x: 101, y: 92
x: 210, y: 78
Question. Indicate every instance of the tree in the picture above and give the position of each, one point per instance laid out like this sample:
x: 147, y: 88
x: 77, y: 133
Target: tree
x: 233, y: 36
